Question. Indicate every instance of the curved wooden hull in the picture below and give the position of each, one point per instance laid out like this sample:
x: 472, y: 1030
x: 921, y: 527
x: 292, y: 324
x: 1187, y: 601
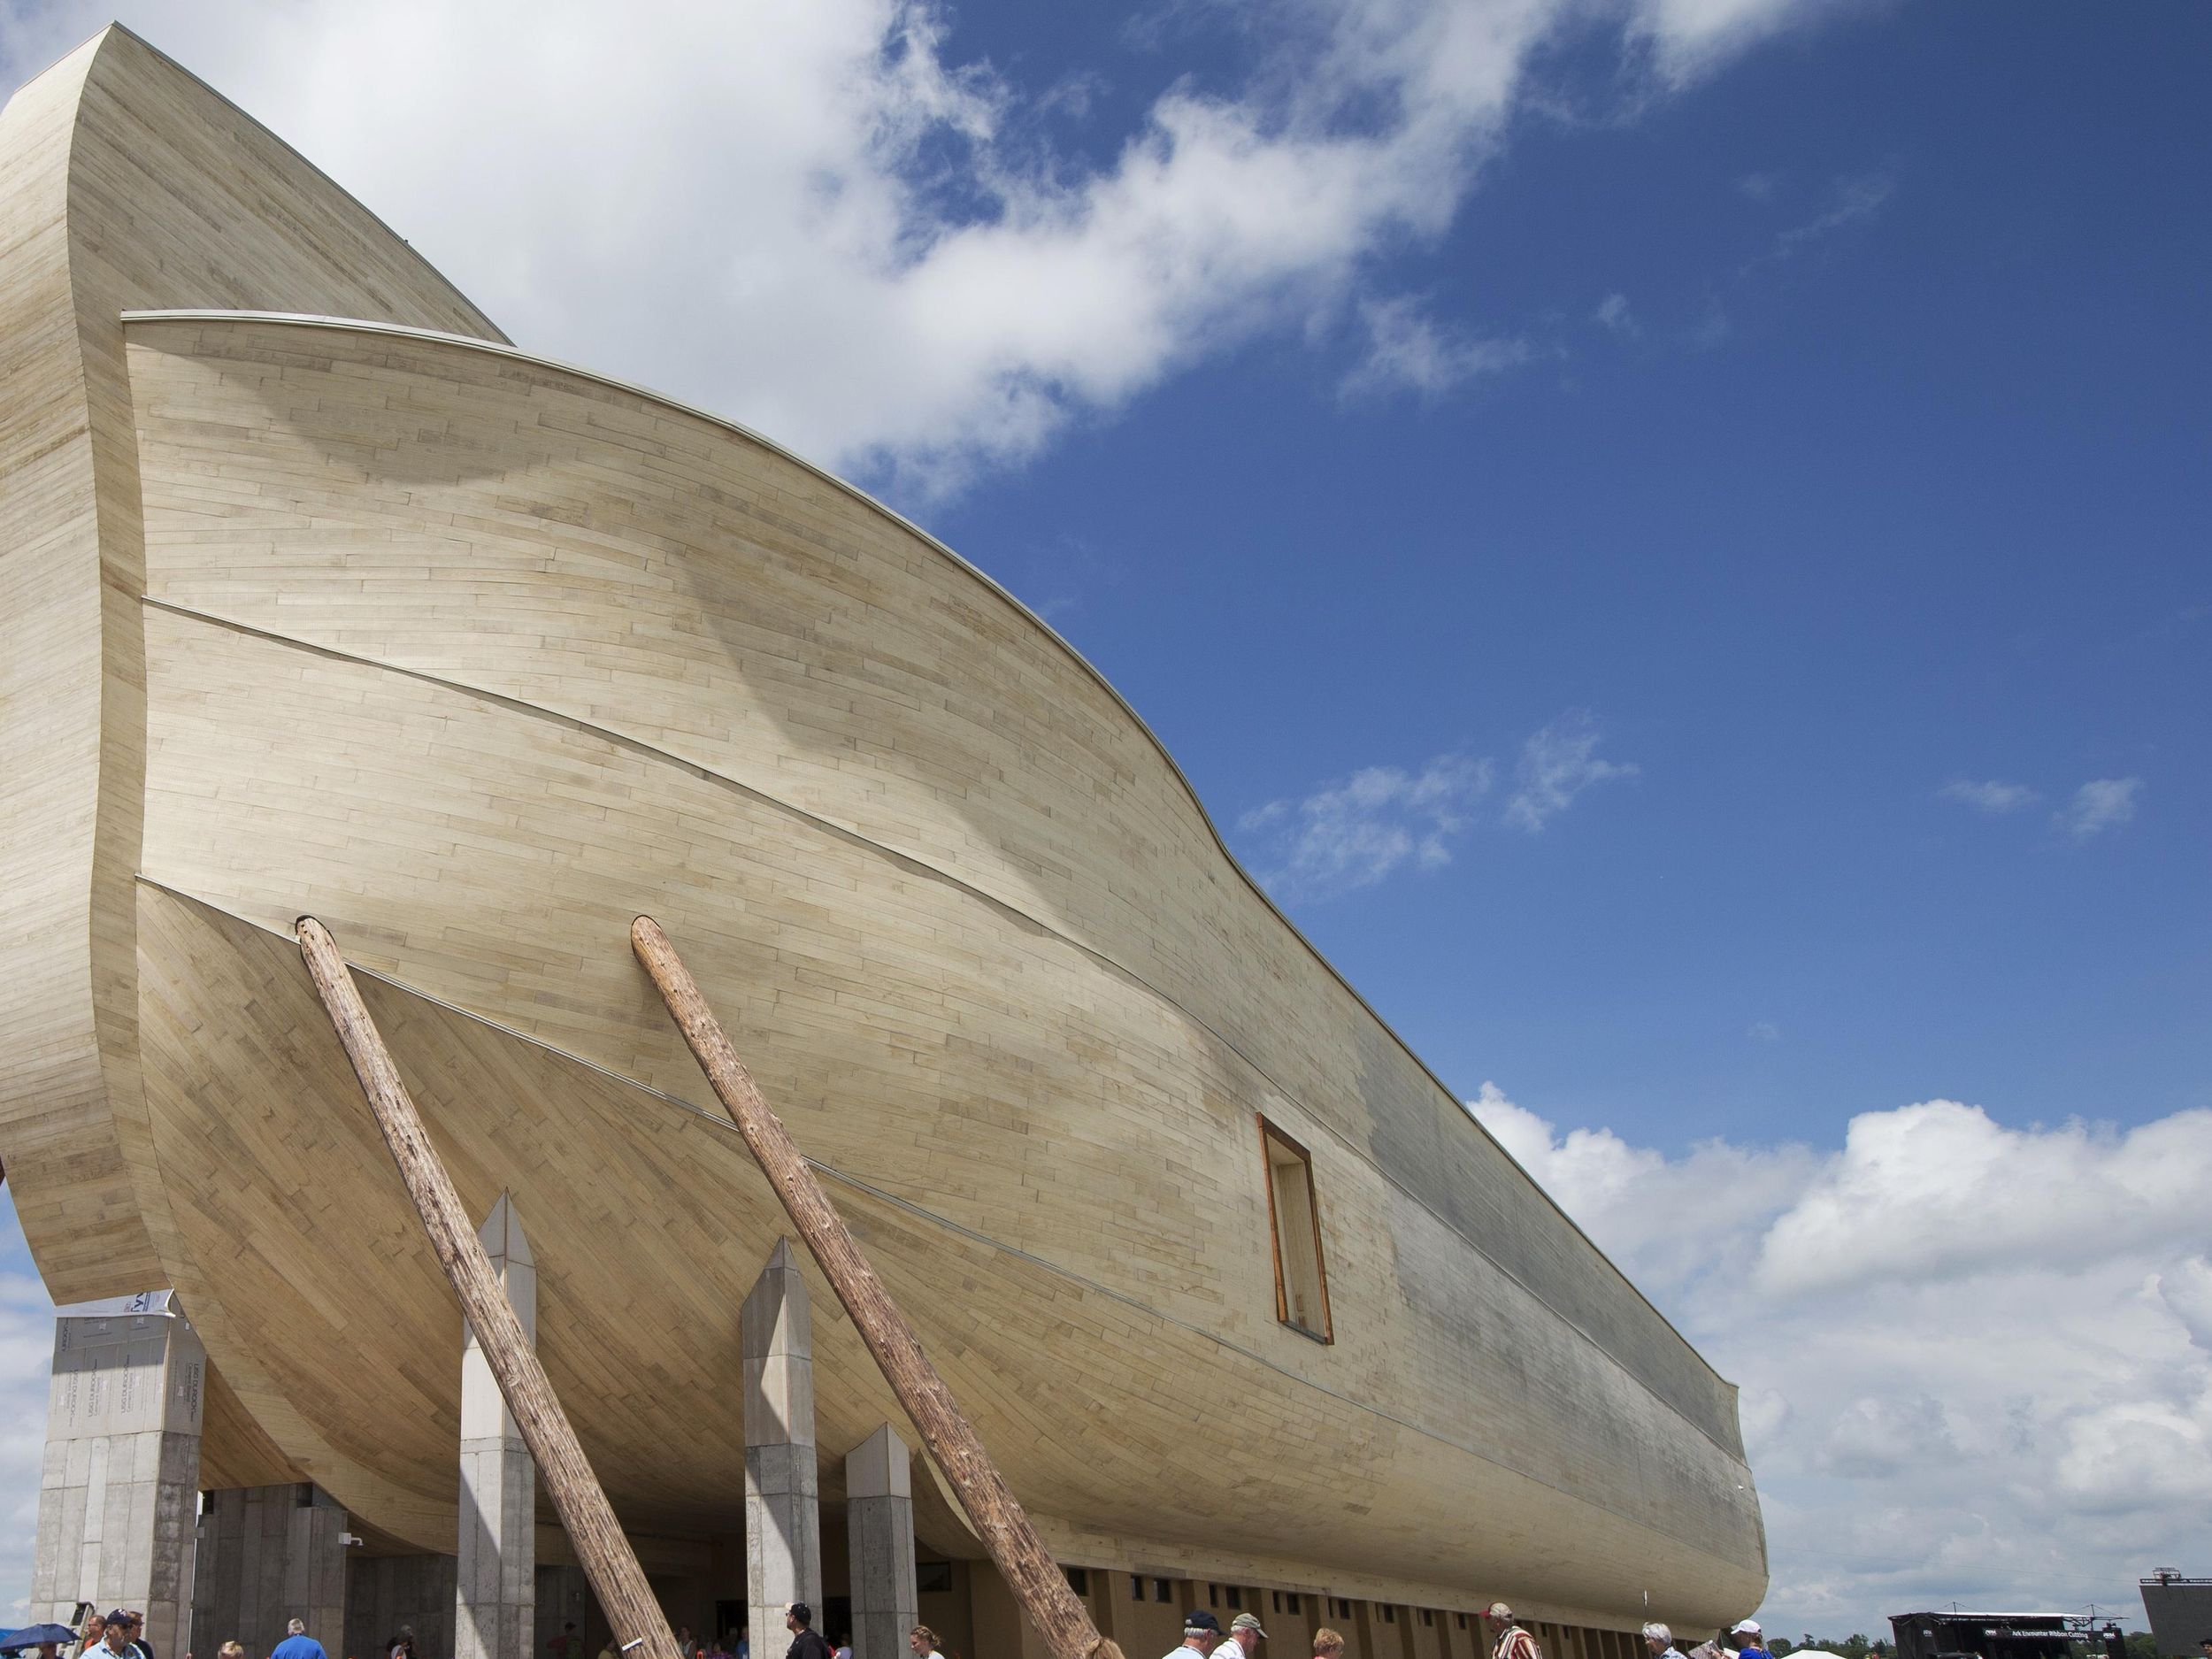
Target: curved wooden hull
x: 475, y: 657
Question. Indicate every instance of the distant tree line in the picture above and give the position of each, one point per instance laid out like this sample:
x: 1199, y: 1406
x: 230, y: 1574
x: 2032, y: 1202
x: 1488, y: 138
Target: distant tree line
x: 1853, y: 1647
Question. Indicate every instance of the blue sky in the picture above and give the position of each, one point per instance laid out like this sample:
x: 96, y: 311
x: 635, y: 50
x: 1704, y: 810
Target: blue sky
x: 1914, y: 498
x: 1671, y: 534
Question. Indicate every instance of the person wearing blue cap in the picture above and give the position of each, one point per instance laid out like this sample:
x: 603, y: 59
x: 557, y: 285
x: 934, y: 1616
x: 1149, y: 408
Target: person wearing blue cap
x: 1201, y: 1631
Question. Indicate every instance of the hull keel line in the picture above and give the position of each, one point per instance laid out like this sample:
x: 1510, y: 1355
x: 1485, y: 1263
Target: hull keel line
x: 1000, y: 1522
x: 616, y: 1577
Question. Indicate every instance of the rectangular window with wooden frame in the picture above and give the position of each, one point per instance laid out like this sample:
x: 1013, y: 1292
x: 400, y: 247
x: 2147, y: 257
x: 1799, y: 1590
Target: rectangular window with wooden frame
x: 1302, y: 1281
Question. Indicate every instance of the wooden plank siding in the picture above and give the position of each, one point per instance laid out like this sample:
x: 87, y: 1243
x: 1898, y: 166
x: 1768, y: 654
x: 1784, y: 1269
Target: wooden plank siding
x: 476, y: 657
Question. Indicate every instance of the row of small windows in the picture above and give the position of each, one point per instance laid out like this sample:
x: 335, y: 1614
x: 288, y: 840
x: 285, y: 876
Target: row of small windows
x: 1231, y: 1597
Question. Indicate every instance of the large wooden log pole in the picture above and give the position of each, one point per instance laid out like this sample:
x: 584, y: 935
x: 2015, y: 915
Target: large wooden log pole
x: 616, y: 1577
x: 1016, y: 1550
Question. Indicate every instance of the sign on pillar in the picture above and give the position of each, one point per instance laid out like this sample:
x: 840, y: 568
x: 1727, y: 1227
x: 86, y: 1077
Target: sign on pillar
x: 783, y: 1522
x: 496, y: 1576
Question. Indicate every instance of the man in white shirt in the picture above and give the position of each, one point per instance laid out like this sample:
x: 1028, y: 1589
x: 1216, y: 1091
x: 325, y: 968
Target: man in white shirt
x: 1245, y: 1634
x: 1201, y: 1631
x: 1659, y: 1642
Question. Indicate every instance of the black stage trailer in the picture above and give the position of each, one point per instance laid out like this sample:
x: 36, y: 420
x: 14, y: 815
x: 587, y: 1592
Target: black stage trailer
x: 1948, y: 1635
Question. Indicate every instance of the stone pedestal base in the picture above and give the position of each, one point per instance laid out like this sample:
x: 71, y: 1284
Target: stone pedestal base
x: 879, y: 1534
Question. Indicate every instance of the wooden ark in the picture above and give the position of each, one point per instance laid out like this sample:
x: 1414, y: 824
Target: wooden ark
x: 316, y: 595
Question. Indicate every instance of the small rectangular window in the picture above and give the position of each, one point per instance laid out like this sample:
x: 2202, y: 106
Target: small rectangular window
x: 1162, y: 1591
x: 1235, y: 1598
x: 1302, y: 1281
x: 1078, y: 1580
x: 932, y: 1577
x: 1136, y: 1586
x: 1390, y: 1613
x: 1460, y: 1619
x: 1427, y: 1619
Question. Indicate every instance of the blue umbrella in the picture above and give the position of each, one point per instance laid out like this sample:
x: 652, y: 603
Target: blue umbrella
x: 31, y: 1635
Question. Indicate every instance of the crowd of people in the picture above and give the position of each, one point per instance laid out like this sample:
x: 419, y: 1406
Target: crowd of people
x: 1204, y: 1639
x: 806, y: 1643
x: 120, y: 1634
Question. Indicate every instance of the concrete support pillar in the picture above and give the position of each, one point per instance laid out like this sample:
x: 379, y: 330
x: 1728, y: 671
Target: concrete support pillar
x: 783, y: 1521
x: 120, y: 1483
x: 495, y: 1578
x: 879, y: 1544
x: 268, y: 1554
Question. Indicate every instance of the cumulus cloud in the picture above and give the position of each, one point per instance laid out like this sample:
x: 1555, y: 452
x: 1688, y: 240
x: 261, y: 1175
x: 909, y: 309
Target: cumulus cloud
x: 1992, y: 796
x: 1923, y: 1167
x: 2100, y: 804
x: 816, y: 217
x: 1352, y: 834
x: 1557, y: 763
x: 1762, y: 1031
x: 1613, y: 313
x: 1976, y: 1359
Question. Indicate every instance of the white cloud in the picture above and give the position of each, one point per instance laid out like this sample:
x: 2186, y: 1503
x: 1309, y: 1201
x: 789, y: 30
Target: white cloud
x: 1762, y: 1031
x: 2102, y: 805
x: 1688, y: 37
x: 1990, y: 795
x: 1409, y: 350
x: 1352, y: 834
x: 1976, y: 1360
x: 1558, y: 763
x: 1855, y: 200
x: 1920, y: 1168
x: 1613, y: 313
x: 813, y: 216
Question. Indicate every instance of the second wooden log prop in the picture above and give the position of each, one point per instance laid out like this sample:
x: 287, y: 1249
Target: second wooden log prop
x: 1017, y: 1551
x: 607, y: 1558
